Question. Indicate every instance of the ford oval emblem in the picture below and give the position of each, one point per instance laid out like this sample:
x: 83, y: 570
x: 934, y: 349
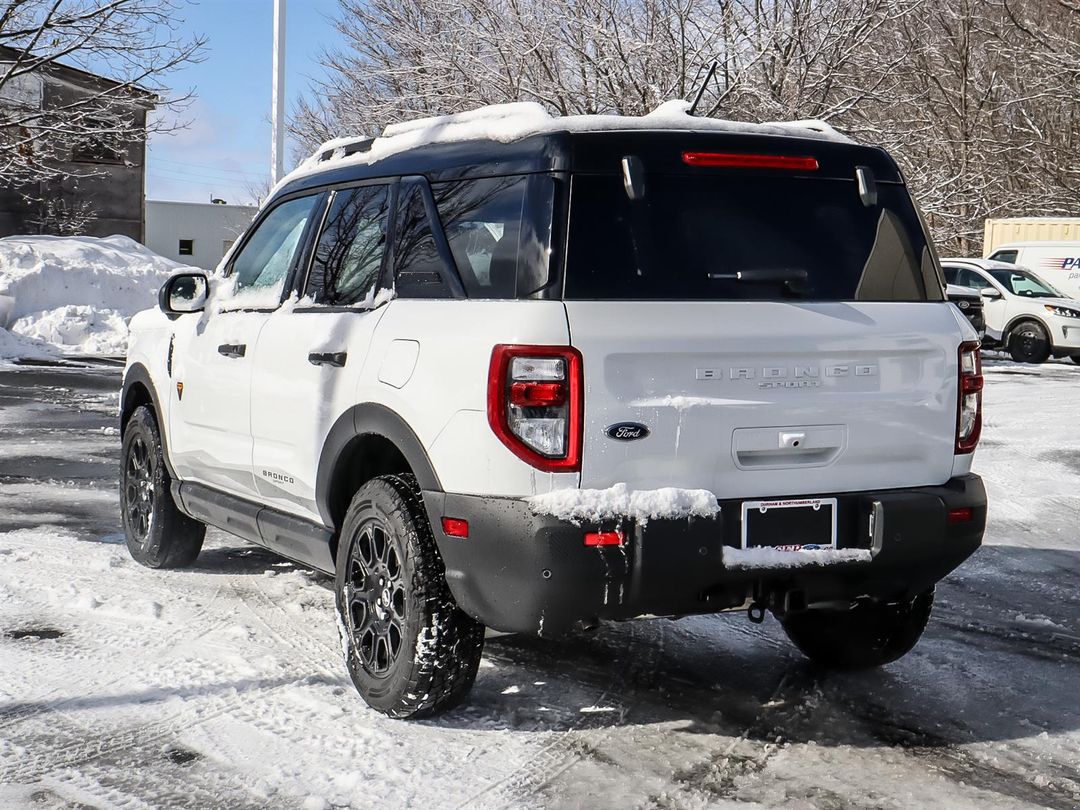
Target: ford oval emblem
x: 627, y: 431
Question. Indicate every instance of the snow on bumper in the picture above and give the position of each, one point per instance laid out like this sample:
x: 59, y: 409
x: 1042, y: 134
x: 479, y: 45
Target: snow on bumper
x: 622, y: 503
x: 736, y: 558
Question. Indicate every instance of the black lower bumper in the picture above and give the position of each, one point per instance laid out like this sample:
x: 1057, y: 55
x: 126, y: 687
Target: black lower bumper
x: 521, y: 572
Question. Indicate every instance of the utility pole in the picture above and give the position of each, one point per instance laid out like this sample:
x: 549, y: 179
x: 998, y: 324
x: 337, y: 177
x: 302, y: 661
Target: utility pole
x: 277, y: 108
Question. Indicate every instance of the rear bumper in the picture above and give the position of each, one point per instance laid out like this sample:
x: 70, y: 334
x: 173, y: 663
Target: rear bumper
x: 520, y: 572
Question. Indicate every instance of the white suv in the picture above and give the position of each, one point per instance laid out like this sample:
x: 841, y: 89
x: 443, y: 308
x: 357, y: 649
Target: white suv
x: 1024, y: 314
x: 527, y: 373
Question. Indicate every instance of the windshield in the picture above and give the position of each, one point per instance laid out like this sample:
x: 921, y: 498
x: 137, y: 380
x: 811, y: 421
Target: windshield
x: 1021, y: 282
x: 725, y: 236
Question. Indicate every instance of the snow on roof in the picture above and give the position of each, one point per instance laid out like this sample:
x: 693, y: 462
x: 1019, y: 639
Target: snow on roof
x: 986, y: 264
x: 506, y: 123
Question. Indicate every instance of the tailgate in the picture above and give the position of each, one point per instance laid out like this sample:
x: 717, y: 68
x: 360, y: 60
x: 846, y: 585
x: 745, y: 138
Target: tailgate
x: 755, y: 398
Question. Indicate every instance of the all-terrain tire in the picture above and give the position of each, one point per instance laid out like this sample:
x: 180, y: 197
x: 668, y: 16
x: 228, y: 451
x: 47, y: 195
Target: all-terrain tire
x: 867, y: 635
x: 410, y: 650
x: 158, y: 534
x: 1029, y: 343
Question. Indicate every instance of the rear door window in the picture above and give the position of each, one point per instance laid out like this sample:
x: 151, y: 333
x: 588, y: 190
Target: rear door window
x: 347, y: 260
x: 498, y: 229
x: 418, y: 266
x: 745, y: 236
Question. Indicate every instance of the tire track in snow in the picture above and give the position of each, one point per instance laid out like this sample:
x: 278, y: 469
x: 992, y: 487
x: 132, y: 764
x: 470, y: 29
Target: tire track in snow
x: 189, y: 630
x: 83, y: 743
x: 541, y: 767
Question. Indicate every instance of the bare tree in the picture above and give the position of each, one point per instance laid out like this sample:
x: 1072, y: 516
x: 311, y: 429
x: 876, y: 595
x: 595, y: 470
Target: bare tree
x: 976, y: 98
x: 405, y: 58
x: 134, y: 42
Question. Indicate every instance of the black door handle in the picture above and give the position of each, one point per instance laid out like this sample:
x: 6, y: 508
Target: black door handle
x: 232, y: 349
x: 327, y: 358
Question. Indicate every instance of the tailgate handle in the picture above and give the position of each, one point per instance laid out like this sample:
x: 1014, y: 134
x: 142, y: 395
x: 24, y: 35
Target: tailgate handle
x: 786, y: 447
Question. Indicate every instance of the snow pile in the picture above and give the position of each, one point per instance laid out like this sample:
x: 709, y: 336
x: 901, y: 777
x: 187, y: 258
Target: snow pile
x: 761, y: 557
x: 619, y: 502
x: 510, y: 122
x: 77, y: 293
x: 12, y: 346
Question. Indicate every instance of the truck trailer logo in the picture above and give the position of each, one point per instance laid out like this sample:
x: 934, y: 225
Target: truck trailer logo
x: 1068, y: 264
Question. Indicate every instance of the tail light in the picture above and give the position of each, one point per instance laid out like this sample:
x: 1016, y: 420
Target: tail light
x: 536, y: 404
x: 969, y: 398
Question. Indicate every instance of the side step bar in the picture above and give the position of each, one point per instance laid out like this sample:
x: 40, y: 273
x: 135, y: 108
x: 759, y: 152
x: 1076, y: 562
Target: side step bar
x: 295, y: 538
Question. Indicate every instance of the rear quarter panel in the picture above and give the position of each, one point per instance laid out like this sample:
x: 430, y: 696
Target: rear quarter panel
x: 444, y: 397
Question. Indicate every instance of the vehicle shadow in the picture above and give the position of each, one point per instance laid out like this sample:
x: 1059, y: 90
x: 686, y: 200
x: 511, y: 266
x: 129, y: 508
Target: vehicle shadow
x: 999, y: 661
x: 248, y: 687
x: 243, y: 559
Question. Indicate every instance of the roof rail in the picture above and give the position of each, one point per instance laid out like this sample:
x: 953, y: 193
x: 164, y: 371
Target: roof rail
x: 342, y: 147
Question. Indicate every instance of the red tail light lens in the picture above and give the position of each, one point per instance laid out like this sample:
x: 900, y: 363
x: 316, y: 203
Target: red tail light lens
x: 969, y: 398
x: 455, y: 527
x: 731, y: 160
x: 536, y: 404
x: 537, y: 395
x: 603, y: 538
x: 962, y: 515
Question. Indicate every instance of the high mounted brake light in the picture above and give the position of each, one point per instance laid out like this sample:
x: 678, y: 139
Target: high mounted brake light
x: 731, y: 160
x: 536, y: 404
x: 969, y: 397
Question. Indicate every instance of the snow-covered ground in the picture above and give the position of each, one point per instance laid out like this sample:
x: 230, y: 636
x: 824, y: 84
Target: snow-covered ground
x: 73, y: 295
x: 223, y: 686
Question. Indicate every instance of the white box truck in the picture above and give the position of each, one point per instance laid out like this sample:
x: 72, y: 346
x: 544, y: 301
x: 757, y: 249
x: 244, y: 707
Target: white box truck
x: 1050, y: 247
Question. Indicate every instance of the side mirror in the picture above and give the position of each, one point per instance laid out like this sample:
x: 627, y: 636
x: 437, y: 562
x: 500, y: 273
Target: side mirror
x: 990, y: 292
x: 183, y: 293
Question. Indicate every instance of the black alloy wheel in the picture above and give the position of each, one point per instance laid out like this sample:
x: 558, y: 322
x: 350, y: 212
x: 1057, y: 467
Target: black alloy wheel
x: 375, y: 593
x: 139, y: 489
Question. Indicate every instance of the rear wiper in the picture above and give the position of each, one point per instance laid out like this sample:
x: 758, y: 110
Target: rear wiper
x: 777, y: 276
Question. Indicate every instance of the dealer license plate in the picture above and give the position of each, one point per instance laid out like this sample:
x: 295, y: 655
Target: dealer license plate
x: 791, y: 524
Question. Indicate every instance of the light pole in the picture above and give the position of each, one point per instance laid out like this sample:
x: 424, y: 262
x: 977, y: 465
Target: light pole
x: 277, y: 108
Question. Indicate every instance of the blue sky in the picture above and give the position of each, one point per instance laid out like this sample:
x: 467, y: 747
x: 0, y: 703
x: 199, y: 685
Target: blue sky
x: 225, y: 152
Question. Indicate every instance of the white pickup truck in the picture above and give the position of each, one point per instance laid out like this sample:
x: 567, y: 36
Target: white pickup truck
x: 532, y: 373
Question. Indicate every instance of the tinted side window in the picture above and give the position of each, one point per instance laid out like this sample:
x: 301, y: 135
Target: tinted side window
x: 349, y: 254
x: 974, y: 280
x: 952, y: 274
x: 266, y: 258
x: 499, y: 229
x: 417, y: 263
x: 1005, y: 256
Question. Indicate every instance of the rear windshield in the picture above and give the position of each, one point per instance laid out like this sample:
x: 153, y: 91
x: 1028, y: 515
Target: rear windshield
x: 745, y: 236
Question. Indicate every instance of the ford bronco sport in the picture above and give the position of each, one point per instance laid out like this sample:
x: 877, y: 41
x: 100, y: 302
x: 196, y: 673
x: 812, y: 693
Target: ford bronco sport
x: 508, y: 371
